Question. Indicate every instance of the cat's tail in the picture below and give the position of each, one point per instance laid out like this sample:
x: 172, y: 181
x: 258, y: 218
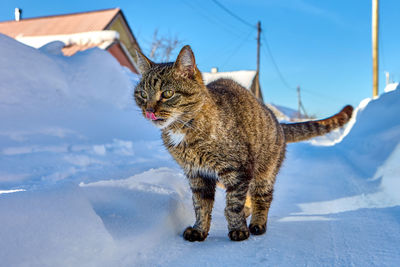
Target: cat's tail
x: 296, y: 132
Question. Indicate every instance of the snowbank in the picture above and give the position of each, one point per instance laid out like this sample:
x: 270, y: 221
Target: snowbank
x: 64, y: 115
x: 72, y: 120
x: 56, y: 227
x: 85, y: 180
x: 371, y: 143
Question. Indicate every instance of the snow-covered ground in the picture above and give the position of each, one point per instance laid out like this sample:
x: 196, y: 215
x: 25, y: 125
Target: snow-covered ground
x: 85, y: 180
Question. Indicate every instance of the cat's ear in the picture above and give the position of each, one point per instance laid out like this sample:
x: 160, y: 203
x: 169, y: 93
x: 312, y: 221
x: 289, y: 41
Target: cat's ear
x: 142, y: 62
x: 185, y: 64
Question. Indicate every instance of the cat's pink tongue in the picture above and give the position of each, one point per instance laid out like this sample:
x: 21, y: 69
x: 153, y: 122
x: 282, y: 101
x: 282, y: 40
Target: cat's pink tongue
x: 151, y: 116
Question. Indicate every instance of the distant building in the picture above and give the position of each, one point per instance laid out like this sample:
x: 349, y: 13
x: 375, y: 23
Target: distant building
x: 107, y: 29
x: 390, y: 84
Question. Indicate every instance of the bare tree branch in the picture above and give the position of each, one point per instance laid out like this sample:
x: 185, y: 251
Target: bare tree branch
x: 163, y: 47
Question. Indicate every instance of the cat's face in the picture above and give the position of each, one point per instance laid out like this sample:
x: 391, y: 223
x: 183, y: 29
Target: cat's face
x: 169, y: 92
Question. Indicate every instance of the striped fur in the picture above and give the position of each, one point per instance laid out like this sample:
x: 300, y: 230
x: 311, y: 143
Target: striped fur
x: 301, y: 131
x: 220, y: 133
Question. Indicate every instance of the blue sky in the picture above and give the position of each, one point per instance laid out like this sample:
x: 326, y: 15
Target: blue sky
x: 323, y: 46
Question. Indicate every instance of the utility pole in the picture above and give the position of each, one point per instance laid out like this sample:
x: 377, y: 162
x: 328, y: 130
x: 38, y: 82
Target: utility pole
x: 298, y: 102
x: 258, y: 45
x: 257, y: 91
x: 300, y: 105
x: 375, y: 46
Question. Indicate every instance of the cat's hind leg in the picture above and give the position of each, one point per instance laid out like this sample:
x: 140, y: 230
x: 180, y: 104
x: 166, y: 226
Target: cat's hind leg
x: 261, y: 190
x: 236, y: 184
x: 247, y: 204
x: 261, y: 194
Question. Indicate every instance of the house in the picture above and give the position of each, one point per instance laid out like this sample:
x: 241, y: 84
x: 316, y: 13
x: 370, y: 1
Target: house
x: 249, y: 80
x: 107, y: 29
x: 390, y: 84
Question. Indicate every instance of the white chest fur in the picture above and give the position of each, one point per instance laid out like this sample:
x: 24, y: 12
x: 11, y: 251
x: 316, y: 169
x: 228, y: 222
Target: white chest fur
x: 175, y: 138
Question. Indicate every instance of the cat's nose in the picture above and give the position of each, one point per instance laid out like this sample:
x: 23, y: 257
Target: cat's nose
x: 150, y: 110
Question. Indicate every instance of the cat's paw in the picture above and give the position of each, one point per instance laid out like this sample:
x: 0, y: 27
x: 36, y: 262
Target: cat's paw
x: 257, y: 229
x: 239, y: 235
x: 191, y: 234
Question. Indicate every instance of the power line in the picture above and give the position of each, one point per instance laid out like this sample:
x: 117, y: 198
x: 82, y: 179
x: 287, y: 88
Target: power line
x: 210, y: 19
x: 284, y: 81
x: 268, y: 49
x: 236, y: 49
x: 282, y: 78
x: 216, y: 14
x: 233, y: 14
x: 323, y: 96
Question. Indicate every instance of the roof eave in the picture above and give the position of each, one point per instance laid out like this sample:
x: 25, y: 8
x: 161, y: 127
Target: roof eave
x: 126, y: 24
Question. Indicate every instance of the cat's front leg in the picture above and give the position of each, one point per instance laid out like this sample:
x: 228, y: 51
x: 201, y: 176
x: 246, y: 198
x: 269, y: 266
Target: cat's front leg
x: 203, y: 190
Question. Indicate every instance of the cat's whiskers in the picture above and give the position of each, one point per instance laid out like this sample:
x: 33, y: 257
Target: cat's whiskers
x: 183, y: 123
x: 186, y: 124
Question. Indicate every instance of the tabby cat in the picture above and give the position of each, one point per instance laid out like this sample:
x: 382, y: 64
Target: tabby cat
x: 220, y: 132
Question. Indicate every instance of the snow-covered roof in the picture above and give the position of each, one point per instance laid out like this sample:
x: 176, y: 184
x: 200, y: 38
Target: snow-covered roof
x: 391, y: 86
x: 243, y: 77
x: 94, y: 38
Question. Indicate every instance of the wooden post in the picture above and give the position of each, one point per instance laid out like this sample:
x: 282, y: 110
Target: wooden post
x: 375, y: 46
x: 258, y: 89
x: 258, y: 45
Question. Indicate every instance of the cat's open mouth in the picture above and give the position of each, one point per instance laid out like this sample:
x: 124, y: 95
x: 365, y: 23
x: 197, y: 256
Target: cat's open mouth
x: 151, y: 116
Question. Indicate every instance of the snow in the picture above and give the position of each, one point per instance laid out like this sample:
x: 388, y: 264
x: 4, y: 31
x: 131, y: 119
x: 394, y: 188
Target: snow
x: 105, y: 38
x: 86, y: 181
x: 243, y: 77
x: 284, y: 114
x: 391, y: 86
x: 10, y: 191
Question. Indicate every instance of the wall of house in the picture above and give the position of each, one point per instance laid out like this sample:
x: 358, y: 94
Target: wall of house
x: 117, y: 51
x: 124, y: 36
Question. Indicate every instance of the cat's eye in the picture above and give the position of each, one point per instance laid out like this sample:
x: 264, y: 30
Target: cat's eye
x: 143, y: 94
x: 167, y: 94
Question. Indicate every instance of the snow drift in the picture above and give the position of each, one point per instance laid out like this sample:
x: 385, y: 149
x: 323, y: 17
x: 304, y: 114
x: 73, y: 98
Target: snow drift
x: 89, y: 183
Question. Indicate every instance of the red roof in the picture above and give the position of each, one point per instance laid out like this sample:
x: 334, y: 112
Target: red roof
x: 60, y: 24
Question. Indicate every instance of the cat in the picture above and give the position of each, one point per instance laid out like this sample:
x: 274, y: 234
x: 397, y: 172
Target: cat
x: 220, y: 132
